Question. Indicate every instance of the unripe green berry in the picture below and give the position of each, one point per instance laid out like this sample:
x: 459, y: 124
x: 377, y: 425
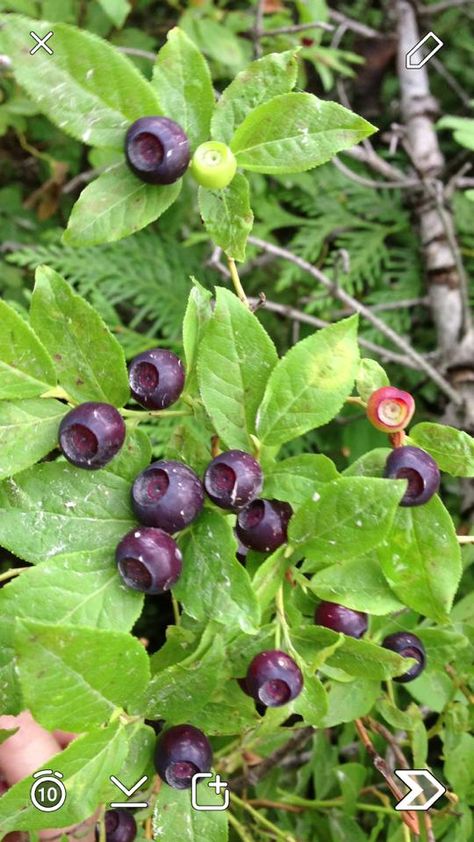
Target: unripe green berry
x: 213, y: 165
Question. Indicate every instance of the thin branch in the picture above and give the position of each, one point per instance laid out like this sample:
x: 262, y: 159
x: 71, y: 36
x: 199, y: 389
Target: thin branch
x: 81, y: 178
x: 369, y: 182
x: 305, y: 318
x: 390, y: 739
x: 358, y: 307
x: 443, y: 6
x: 298, y: 739
x: 375, y: 162
x: 297, y: 27
x: 350, y: 23
x: 452, y: 82
x: 408, y: 817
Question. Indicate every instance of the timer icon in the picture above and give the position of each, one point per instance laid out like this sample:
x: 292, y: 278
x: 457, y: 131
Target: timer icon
x: 48, y: 792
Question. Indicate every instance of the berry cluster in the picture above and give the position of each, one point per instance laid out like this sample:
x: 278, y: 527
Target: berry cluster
x: 391, y: 410
x: 157, y: 151
x: 166, y: 497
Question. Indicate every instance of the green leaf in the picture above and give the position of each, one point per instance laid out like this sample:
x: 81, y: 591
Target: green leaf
x: 73, y: 678
x: 309, y: 385
x: 271, y: 75
x: 197, y: 315
x: 295, y: 132
x: 91, y: 594
x: 453, y: 449
x: 88, y: 89
x: 358, y: 584
x: 213, y: 585
x: 56, y: 510
x: 228, y: 216
x: 348, y: 701
x: 175, y: 820
x: 421, y: 559
x: 26, y: 369
x: 183, y: 85
x: 236, y: 357
x: 89, y: 361
x: 116, y: 10
x: 297, y: 478
x: 134, y: 456
x: 459, y: 766
x: 269, y: 576
x: 370, y: 377
x: 359, y: 658
x: 28, y: 431
x: 370, y: 464
x: 311, y: 704
x: 441, y: 644
x: 85, y: 764
x: 179, y: 692
x: 116, y: 205
x: 351, y: 516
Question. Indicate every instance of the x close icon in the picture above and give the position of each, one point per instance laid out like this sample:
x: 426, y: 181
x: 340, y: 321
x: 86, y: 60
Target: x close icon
x: 41, y: 43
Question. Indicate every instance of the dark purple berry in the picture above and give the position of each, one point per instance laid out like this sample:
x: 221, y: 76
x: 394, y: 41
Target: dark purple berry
x: 233, y: 479
x: 181, y: 752
x: 120, y: 826
x: 262, y: 524
x: 419, y: 468
x: 149, y: 560
x: 167, y: 495
x: 409, y: 646
x: 91, y: 434
x: 157, y: 150
x: 341, y: 619
x: 273, y: 678
x: 156, y: 378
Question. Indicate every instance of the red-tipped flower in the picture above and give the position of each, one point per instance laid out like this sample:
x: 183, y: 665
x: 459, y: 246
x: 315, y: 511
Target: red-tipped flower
x: 390, y: 409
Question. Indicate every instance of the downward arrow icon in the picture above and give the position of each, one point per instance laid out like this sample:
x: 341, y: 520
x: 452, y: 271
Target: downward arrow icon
x: 419, y: 780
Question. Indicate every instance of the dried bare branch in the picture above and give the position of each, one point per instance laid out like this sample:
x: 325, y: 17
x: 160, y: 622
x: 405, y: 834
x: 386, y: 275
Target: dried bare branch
x: 357, y: 307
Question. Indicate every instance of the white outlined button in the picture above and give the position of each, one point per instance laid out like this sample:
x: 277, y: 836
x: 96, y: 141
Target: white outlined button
x: 217, y: 784
x: 41, y: 43
x: 48, y: 792
x: 410, y: 61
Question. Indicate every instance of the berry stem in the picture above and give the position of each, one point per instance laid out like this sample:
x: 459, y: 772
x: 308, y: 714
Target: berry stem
x: 397, y: 439
x: 9, y: 574
x: 176, y: 614
x: 354, y: 399
x: 281, y: 618
x: 236, y: 281
x: 154, y: 413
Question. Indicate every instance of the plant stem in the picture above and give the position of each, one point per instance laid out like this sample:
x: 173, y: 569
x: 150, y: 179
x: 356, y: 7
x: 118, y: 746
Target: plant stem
x: 154, y: 413
x: 239, y: 828
x: 338, y: 802
x: 261, y: 819
x: 466, y: 539
x: 9, y: 574
x: 280, y: 610
x: 236, y: 281
x: 177, y: 615
x: 356, y: 400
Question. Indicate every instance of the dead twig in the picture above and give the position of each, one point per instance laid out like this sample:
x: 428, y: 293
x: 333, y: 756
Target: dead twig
x: 408, y: 817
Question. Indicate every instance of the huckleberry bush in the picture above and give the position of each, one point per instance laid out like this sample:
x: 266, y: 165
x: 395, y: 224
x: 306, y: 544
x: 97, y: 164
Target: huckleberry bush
x: 349, y: 578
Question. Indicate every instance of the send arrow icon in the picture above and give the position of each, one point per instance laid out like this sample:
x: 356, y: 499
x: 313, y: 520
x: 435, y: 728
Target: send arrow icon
x: 421, y: 782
